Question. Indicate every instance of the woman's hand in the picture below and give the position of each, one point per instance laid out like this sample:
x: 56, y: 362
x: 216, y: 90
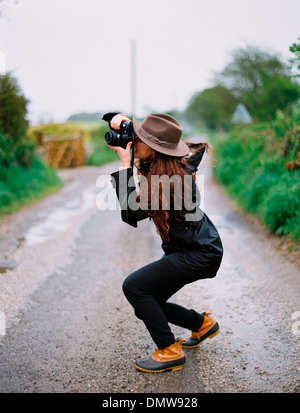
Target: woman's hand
x: 124, y: 154
x: 117, y: 120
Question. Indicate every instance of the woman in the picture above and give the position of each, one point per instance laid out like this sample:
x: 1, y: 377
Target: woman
x: 191, y: 244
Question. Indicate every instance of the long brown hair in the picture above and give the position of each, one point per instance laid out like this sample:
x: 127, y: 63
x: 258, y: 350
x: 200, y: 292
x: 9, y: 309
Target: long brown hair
x: 159, y: 164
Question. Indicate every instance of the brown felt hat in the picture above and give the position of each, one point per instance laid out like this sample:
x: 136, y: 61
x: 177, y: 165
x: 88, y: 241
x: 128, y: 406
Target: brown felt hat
x: 162, y: 133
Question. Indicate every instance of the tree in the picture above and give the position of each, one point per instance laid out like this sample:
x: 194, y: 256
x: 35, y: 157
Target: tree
x: 295, y: 61
x: 15, y: 146
x: 276, y: 93
x: 213, y: 106
x: 13, y: 108
x: 259, y: 80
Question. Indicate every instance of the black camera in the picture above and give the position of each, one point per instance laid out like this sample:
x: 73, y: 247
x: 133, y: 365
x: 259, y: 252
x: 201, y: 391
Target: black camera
x: 120, y: 137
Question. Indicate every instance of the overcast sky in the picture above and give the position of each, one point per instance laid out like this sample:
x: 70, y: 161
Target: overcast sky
x: 74, y: 56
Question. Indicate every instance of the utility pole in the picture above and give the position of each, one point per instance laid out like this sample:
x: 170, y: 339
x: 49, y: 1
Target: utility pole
x: 133, y: 77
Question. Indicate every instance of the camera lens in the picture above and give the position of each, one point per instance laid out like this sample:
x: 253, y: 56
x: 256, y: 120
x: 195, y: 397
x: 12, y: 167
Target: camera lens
x: 122, y: 137
x: 112, y: 138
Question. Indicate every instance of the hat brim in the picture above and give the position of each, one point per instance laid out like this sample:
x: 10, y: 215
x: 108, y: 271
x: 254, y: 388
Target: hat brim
x: 181, y: 150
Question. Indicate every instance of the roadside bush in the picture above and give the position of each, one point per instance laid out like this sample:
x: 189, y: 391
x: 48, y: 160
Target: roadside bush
x: 7, y: 154
x: 282, y: 205
x: 13, y: 108
x: 24, y: 177
x: 14, y: 144
x: 21, y: 186
x: 253, y: 164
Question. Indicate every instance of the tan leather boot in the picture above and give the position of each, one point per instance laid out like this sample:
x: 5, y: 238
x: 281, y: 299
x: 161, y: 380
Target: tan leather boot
x: 168, y: 358
x: 209, y: 329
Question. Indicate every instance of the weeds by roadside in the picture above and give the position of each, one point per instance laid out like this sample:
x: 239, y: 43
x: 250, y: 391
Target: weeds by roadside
x: 258, y: 165
x: 23, y: 186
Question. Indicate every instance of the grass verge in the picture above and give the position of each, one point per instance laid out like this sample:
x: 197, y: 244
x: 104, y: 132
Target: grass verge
x: 22, y: 186
x: 253, y: 169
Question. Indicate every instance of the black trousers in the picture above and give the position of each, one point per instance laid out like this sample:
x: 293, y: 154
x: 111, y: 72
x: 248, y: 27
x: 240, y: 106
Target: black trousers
x: 148, y: 290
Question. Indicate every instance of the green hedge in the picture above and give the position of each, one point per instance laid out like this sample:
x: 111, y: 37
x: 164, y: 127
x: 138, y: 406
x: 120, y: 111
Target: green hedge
x: 20, y: 186
x: 258, y: 166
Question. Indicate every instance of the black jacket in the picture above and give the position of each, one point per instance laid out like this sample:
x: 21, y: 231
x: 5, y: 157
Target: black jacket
x: 199, y: 240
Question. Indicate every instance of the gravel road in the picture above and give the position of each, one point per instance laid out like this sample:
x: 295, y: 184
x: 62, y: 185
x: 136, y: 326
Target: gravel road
x: 65, y: 325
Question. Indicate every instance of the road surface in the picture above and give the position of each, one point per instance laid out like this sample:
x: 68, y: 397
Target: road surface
x: 65, y: 325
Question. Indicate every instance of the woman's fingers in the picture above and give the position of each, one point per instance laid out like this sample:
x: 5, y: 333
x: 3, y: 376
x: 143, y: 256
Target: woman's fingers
x: 117, y: 120
x: 124, y: 154
x: 128, y: 147
x: 120, y: 149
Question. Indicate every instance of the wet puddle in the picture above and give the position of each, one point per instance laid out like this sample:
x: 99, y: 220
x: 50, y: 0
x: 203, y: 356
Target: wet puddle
x: 7, y: 265
x: 60, y: 218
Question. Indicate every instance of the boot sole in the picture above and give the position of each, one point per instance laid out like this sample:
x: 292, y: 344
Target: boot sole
x: 174, y: 368
x: 150, y: 366
x: 205, y: 336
